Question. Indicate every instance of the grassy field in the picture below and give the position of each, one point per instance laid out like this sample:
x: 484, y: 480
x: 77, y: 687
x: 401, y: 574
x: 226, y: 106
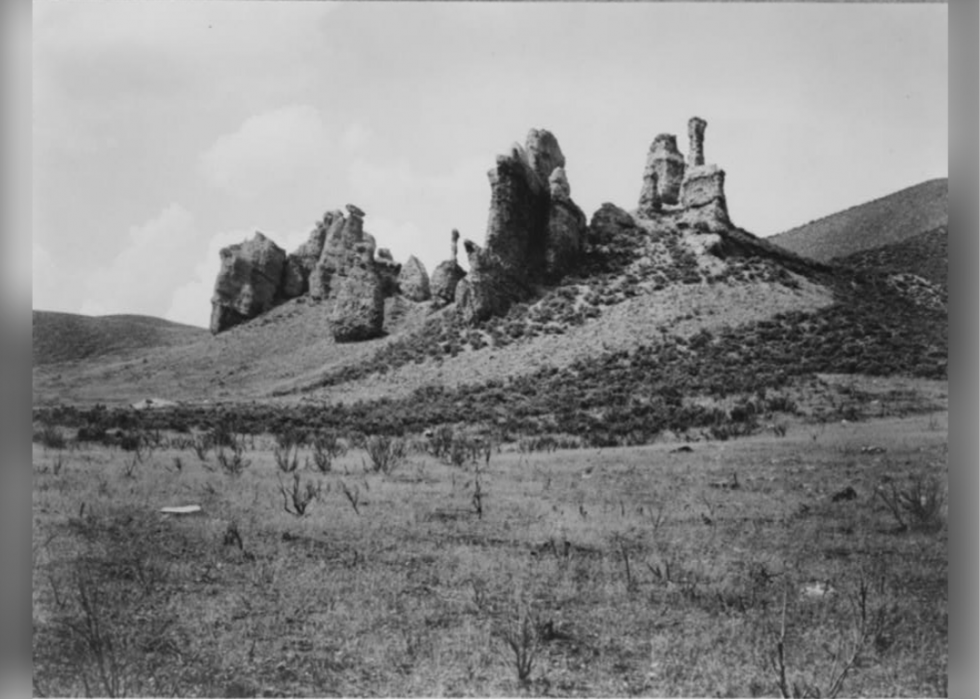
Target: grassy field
x: 764, y: 566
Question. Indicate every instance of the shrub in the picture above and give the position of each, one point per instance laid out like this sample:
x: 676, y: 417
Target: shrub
x: 386, y: 453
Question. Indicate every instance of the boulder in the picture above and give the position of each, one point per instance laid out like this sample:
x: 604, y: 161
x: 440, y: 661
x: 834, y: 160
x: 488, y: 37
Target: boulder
x: 667, y: 163
x: 248, y: 283
x: 413, y: 280
x: 608, y: 223
x: 357, y: 306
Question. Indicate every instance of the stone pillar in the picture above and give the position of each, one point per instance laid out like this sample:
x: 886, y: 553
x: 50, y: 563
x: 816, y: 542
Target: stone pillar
x: 668, y: 164
x: 695, y: 137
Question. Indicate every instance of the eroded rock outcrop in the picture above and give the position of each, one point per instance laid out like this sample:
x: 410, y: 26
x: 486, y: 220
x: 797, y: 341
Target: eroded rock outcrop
x: 703, y: 196
x: 667, y: 163
x: 695, y: 138
x: 357, y: 305
x: 248, y: 283
x: 535, y: 232
x: 446, y: 276
x: 388, y: 270
x: 567, y: 228
x: 413, y: 280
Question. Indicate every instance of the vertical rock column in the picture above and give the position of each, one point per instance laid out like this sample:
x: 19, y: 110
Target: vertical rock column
x: 667, y: 163
x: 695, y: 137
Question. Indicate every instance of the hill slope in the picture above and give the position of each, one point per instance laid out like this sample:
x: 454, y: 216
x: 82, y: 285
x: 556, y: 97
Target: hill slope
x: 68, y: 337
x: 925, y: 254
x: 884, y: 221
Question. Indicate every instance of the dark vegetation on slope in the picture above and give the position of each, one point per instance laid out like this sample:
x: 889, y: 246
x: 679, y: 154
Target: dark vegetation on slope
x: 65, y: 337
x: 925, y: 254
x: 617, y: 268
x: 630, y: 397
x: 887, y: 220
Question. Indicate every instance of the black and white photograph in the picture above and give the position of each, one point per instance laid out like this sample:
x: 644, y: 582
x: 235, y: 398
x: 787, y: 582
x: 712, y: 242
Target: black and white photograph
x: 489, y: 349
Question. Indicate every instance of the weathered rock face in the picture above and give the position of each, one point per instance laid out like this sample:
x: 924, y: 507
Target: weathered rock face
x: 388, y: 270
x: 445, y: 277
x: 609, y: 223
x: 695, y: 137
x: 535, y: 232
x: 667, y: 163
x: 248, y: 283
x: 490, y: 286
x: 566, y: 228
x: 519, y: 203
x: 413, y: 280
x: 649, y: 205
x: 358, y: 303
x: 543, y: 153
x: 703, y: 196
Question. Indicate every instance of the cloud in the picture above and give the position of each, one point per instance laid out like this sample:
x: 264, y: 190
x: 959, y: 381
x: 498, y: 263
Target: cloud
x: 44, y: 277
x: 141, y: 277
x: 413, y: 213
x: 287, y: 145
x: 355, y: 137
x: 190, y: 303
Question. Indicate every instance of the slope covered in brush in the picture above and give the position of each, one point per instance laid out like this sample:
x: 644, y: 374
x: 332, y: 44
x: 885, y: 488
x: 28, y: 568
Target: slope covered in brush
x: 889, y: 219
x: 66, y: 337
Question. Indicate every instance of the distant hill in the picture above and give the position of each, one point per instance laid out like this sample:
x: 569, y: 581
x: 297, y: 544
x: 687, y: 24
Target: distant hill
x: 924, y: 254
x: 890, y: 219
x: 66, y: 337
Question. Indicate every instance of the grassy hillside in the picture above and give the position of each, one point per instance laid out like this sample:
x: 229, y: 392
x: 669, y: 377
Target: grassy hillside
x: 884, y: 221
x: 925, y: 254
x: 67, y: 337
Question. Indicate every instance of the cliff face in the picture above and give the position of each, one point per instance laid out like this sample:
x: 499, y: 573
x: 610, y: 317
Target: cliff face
x: 535, y: 232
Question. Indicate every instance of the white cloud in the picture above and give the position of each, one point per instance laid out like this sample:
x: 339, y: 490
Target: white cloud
x: 141, y: 277
x: 287, y: 145
x: 355, y: 137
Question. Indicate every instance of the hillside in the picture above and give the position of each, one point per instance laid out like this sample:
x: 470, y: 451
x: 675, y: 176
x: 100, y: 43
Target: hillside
x: 884, y: 221
x: 925, y: 254
x: 68, y: 337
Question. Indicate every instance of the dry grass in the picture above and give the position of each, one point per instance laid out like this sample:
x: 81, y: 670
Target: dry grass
x: 613, y: 572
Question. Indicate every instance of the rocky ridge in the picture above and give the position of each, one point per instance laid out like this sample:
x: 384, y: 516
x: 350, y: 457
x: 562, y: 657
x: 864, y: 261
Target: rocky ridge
x: 536, y: 235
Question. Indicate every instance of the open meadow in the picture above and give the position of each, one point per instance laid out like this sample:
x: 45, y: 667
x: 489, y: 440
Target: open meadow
x: 805, y: 561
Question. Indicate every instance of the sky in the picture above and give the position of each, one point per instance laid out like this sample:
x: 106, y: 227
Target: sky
x: 164, y: 131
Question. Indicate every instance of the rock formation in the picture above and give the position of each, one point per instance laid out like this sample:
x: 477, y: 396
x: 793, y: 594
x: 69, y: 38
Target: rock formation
x: 535, y: 232
x: 388, y: 270
x: 357, y: 305
x: 248, y: 283
x: 413, y: 281
x: 566, y: 228
x: 703, y: 196
x: 667, y: 163
x: 695, y: 137
x: 336, y: 264
x: 446, y: 276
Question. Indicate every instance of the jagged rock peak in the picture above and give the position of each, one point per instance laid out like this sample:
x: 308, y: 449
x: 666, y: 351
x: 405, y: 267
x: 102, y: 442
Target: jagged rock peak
x: 558, y: 184
x: 413, y: 280
x: 543, y: 153
x: 695, y: 137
